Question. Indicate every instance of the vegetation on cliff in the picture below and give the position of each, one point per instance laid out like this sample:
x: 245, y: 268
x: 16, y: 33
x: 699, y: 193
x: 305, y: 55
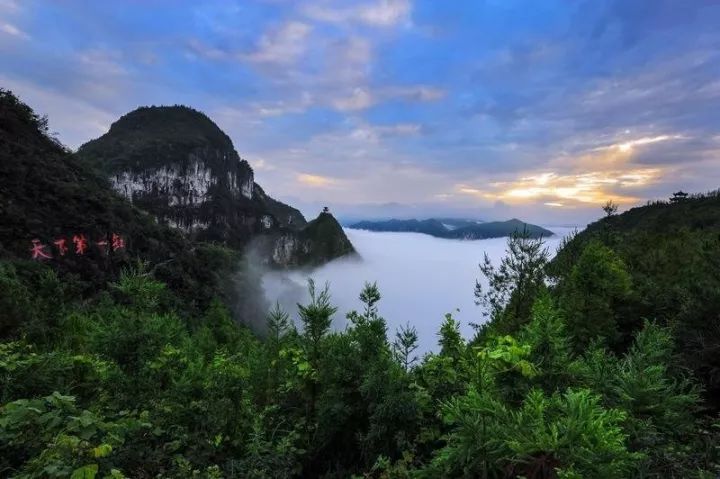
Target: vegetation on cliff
x: 327, y: 237
x: 152, y: 137
x: 670, y: 252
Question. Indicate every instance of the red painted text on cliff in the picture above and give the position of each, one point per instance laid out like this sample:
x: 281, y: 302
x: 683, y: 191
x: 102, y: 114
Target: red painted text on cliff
x: 40, y: 251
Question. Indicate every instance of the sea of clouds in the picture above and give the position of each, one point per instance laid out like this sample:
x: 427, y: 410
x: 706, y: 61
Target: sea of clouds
x: 421, y: 278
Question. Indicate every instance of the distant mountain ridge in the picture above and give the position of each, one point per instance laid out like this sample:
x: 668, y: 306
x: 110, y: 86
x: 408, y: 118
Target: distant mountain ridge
x: 453, y: 228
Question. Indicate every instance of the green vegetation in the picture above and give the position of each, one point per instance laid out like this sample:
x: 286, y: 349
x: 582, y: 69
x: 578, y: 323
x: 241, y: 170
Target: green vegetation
x: 123, y: 386
x: 601, y: 363
x: 153, y: 137
x: 328, y: 240
x: 48, y: 193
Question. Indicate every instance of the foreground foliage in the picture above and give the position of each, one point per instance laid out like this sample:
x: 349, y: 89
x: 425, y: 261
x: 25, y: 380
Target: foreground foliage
x: 123, y: 386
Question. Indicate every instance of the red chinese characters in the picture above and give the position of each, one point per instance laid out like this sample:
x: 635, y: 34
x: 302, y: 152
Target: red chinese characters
x: 102, y: 245
x: 117, y: 242
x: 80, y: 246
x: 38, y: 250
x: 61, y: 246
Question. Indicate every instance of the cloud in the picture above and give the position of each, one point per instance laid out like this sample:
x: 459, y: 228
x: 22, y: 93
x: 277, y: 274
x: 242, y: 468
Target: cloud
x: 103, y: 62
x: 629, y: 145
x: 555, y: 189
x: 12, y: 30
x: 414, y: 93
x: 304, y: 66
x: 381, y: 13
x: 363, y: 98
x: 283, y: 45
x: 385, y: 12
x: 75, y: 121
x: 359, y: 99
x: 397, y: 103
x: 346, y: 61
x: 281, y: 107
x: 316, y: 180
x: 200, y: 49
x: 9, y: 6
x: 375, y: 134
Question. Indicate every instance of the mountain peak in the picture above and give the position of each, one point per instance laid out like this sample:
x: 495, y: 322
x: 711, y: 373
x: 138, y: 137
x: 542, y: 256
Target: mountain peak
x: 159, y: 122
x: 177, y: 164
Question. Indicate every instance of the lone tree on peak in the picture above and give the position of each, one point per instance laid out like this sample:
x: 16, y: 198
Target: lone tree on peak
x: 610, y: 208
x: 678, y: 196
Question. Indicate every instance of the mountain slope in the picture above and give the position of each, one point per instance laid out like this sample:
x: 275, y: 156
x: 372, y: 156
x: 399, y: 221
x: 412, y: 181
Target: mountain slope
x: 49, y: 195
x: 430, y: 226
x: 322, y: 238
x: 458, y: 229
x: 286, y: 215
x: 498, y: 229
x: 672, y: 251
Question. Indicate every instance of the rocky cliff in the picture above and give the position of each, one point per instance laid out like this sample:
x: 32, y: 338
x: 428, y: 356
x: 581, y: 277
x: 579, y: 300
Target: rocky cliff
x: 322, y: 238
x: 179, y: 166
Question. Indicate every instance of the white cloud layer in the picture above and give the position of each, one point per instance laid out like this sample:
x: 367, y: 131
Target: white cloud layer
x: 412, y: 271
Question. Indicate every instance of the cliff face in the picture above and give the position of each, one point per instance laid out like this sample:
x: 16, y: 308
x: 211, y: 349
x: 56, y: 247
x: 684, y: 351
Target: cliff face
x: 287, y: 216
x: 177, y: 165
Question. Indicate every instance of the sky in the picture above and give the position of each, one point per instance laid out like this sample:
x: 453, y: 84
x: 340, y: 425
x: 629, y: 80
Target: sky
x: 490, y: 109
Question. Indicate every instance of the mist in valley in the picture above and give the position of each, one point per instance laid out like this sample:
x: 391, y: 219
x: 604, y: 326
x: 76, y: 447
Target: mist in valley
x: 421, y: 278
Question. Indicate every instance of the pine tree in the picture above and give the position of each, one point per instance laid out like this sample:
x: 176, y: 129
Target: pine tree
x: 405, y: 344
x: 514, y: 285
x: 592, y: 295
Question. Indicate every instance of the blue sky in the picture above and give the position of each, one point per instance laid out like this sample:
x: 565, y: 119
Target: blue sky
x: 495, y: 108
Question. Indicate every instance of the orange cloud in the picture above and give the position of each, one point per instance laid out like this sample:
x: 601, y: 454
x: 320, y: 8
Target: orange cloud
x: 556, y: 190
x: 316, y: 180
x: 629, y: 145
x: 592, y: 177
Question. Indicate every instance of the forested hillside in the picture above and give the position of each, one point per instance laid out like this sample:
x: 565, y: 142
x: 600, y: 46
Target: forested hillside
x: 456, y: 229
x: 669, y: 255
x: 600, y: 364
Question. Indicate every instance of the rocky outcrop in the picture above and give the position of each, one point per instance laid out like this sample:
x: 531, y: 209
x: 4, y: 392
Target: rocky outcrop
x: 322, y: 240
x: 287, y: 216
x: 176, y: 164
